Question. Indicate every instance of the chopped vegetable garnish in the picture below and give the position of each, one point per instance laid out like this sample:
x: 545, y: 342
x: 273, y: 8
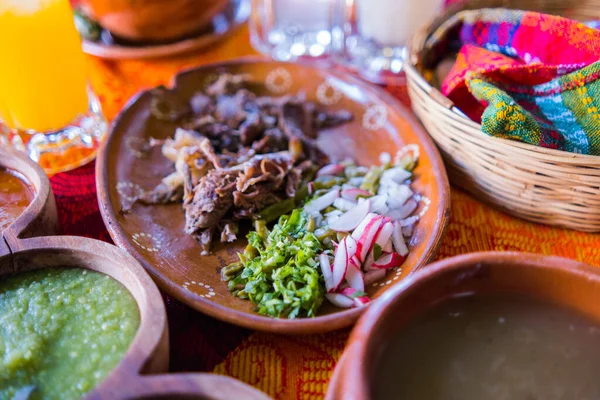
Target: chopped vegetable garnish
x: 348, y: 233
x: 284, y: 279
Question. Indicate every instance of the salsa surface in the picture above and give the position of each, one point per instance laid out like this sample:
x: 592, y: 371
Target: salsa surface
x: 15, y: 196
x: 62, y: 330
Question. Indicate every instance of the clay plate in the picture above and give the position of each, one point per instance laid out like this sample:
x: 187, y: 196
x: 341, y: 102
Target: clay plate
x: 154, y: 234
x: 223, y: 24
x: 560, y: 281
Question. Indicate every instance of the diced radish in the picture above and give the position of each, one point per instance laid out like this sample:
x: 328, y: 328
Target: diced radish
x: 340, y: 300
x: 352, y: 218
x: 349, y: 291
x: 361, y: 227
x: 311, y: 188
x: 397, y: 195
x: 378, y: 205
x: 398, y: 240
x: 340, y: 264
x: 388, y: 246
x: 352, y: 194
x: 367, y: 239
x: 357, y: 181
x: 388, y: 261
x: 354, y: 261
x: 404, y: 211
x: 354, y: 295
x: 385, y: 234
x: 331, y: 170
x: 374, y: 275
x: 409, y: 221
x: 326, y: 269
x: 361, y: 301
x: 344, y: 204
x: 407, y: 231
x: 351, y: 246
x: 321, y: 203
x: 354, y: 277
x: 396, y: 174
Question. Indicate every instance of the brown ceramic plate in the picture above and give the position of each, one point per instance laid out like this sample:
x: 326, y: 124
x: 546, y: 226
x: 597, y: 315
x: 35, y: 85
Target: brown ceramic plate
x: 224, y: 23
x: 154, y: 234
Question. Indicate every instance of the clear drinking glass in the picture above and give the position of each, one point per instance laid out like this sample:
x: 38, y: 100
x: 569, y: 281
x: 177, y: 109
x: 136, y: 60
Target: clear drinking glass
x: 373, y: 34
x: 289, y: 30
x: 46, y: 107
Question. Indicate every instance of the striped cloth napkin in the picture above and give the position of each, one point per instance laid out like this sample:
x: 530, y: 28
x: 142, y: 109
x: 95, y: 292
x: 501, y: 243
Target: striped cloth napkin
x: 526, y: 76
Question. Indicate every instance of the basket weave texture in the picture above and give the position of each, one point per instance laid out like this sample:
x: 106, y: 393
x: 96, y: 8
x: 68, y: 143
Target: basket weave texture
x: 537, y: 184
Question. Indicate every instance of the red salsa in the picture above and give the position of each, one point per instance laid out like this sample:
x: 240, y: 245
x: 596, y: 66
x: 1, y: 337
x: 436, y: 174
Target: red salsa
x: 15, y: 196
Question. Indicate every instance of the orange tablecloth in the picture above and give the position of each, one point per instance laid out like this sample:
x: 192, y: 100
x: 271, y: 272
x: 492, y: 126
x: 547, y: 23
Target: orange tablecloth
x: 300, y: 367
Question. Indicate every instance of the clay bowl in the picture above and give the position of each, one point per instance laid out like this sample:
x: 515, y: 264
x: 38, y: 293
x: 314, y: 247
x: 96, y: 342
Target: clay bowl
x: 222, y: 25
x: 154, y: 20
x: 556, y: 280
x: 39, y: 218
x: 154, y: 234
x: 149, y: 351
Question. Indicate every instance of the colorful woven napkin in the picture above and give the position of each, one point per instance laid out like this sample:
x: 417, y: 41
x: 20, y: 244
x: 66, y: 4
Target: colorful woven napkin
x: 527, y: 76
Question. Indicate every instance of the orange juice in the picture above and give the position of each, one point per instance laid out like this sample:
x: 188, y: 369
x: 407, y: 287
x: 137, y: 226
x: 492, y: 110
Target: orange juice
x: 43, y: 84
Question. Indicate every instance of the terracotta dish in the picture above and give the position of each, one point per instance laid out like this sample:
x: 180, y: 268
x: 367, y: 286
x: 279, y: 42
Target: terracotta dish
x: 153, y: 20
x: 232, y: 16
x: 40, y: 217
x: 155, y: 236
x: 555, y: 280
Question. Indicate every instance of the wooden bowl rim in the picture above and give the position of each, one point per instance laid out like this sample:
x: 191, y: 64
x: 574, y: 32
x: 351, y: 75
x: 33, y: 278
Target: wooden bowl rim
x: 36, y: 179
x: 353, y: 374
x: 317, y: 324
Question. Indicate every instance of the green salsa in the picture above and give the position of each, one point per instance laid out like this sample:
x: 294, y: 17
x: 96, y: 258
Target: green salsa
x: 62, y: 330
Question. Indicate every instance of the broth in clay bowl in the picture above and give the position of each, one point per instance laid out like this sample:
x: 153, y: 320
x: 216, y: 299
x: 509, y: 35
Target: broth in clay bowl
x: 480, y: 326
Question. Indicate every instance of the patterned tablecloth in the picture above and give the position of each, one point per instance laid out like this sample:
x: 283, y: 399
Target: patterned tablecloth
x: 282, y: 366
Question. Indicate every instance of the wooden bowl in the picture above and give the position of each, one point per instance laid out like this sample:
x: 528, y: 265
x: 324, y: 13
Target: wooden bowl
x: 153, y: 20
x: 154, y: 234
x: 149, y: 351
x: 40, y: 217
x: 556, y: 280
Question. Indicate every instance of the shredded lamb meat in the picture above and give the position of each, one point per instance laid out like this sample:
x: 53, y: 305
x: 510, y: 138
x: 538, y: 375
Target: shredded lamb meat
x: 235, y: 153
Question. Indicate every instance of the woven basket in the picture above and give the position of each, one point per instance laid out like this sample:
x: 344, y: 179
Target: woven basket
x: 537, y: 184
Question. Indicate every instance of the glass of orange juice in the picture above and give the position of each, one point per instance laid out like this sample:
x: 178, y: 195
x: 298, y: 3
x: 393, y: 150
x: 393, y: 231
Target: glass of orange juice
x: 46, y: 107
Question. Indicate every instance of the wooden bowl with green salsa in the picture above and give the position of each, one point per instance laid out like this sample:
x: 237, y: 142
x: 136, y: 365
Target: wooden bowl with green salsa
x: 79, y: 317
